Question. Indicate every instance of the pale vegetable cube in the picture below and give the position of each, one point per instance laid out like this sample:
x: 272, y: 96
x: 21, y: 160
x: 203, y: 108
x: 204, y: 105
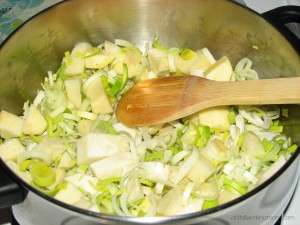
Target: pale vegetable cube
x: 73, y: 87
x: 54, y: 146
x: 35, y: 123
x: 112, y: 166
x: 158, y: 61
x: 10, y: 125
x: 220, y: 70
x: 252, y: 144
x: 97, y: 95
x: 111, y: 48
x: 215, y: 117
x: 133, y: 58
x: 171, y: 203
x: 197, y: 62
x: 84, y: 182
x: 92, y: 147
x: 193, y: 205
x: 69, y: 195
x: 86, y: 204
x: 59, y: 177
x: 66, y: 161
x: 227, y: 196
x: 98, y: 61
x: 75, y: 67
x: 81, y: 48
x: 201, y: 170
x: 84, y: 126
x: 10, y: 149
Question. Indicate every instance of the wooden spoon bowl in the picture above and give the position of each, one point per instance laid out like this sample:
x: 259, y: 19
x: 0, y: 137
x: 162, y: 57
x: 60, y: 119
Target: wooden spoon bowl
x: 165, y: 99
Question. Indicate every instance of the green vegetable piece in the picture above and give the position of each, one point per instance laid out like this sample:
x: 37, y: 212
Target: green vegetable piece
x: 268, y: 146
x: 209, y: 204
x: 292, y: 148
x: 119, y: 83
x: 235, y: 185
x: 157, y: 45
x: 231, y: 115
x: 187, y: 54
x: 42, y: 175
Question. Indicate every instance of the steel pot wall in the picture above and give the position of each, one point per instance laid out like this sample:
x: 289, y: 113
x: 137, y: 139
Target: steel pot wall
x: 222, y: 26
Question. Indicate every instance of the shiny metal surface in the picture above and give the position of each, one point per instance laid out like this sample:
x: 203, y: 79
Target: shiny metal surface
x: 221, y: 26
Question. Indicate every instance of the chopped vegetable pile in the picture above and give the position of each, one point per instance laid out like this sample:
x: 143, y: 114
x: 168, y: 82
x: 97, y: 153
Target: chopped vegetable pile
x: 70, y: 145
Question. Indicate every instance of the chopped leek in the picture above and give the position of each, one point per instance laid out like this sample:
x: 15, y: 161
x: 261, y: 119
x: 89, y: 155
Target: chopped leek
x: 79, y: 153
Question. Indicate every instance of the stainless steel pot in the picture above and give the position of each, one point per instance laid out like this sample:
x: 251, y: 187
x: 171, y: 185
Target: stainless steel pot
x: 222, y: 26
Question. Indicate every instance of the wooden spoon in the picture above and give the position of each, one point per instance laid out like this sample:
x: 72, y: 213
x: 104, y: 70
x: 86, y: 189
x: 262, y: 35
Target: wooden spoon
x: 165, y: 99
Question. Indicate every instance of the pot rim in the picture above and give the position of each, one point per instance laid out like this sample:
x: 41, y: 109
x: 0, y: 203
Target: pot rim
x: 152, y: 220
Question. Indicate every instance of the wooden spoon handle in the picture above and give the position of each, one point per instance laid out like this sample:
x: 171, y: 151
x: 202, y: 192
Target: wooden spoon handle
x: 265, y: 91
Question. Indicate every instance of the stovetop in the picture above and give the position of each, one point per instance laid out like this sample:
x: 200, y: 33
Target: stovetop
x: 15, y: 12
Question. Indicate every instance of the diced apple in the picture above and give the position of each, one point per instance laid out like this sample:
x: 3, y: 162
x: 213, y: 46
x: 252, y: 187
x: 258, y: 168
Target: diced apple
x: 69, y: 195
x: 158, y: 61
x: 75, y: 67
x: 220, y: 70
x: 92, y: 146
x: 201, y: 170
x: 112, y: 166
x: 84, y: 126
x: 54, y: 146
x: 10, y: 149
x: 66, y: 161
x: 10, y: 125
x: 98, y: 61
x: 35, y: 123
x: 215, y: 117
x: 133, y: 58
x: 73, y: 87
x: 97, y: 95
x: 198, y: 61
x: 84, y: 182
x: 171, y: 203
x: 252, y: 144
x: 81, y: 48
x: 111, y: 48
x: 227, y: 196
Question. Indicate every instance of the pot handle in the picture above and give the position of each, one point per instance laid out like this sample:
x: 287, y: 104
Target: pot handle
x: 281, y: 16
x: 10, y: 192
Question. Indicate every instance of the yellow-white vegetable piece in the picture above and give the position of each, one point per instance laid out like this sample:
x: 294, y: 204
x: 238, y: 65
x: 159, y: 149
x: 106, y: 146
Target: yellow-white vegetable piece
x: 215, y: 117
x: 98, y: 61
x: 75, y: 67
x: 133, y: 58
x: 220, y: 70
x: 54, y: 146
x: 35, y: 123
x: 111, y: 48
x: 196, y: 61
x: 69, y: 195
x: 97, y: 95
x: 158, y: 61
x: 66, y: 161
x: 73, y: 89
x: 201, y: 170
x: 84, y: 126
x: 10, y: 125
x: 92, y: 146
x: 11, y: 149
x: 81, y: 48
x: 84, y: 182
x: 112, y: 166
x: 226, y: 196
x: 252, y: 144
x: 135, y: 189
